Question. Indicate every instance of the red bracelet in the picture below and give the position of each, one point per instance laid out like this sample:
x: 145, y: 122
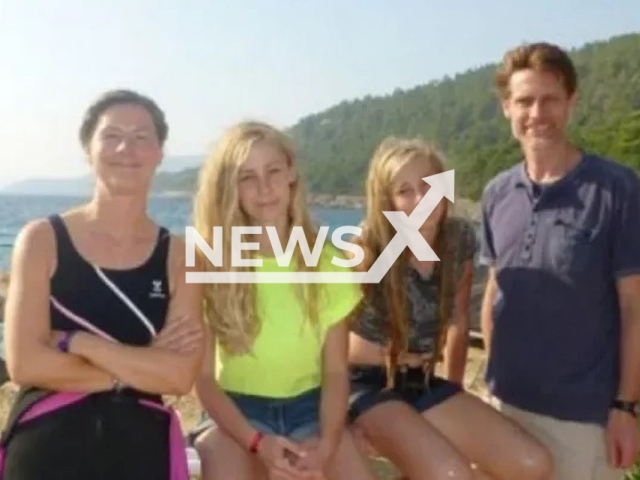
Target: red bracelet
x: 255, y: 442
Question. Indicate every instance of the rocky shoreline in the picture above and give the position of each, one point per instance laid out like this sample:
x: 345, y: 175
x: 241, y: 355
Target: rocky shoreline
x: 322, y: 200
x: 327, y: 200
x: 462, y: 207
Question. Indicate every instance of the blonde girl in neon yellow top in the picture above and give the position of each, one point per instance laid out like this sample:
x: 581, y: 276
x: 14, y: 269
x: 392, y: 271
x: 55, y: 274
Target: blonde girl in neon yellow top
x: 279, y: 350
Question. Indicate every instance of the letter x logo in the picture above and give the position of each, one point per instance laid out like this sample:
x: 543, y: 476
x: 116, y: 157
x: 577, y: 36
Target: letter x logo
x: 407, y: 227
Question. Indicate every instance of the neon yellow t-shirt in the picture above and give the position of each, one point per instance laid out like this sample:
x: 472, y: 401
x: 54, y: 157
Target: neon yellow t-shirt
x: 286, y: 356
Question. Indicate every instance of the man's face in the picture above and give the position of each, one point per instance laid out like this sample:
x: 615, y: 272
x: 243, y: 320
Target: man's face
x: 538, y: 107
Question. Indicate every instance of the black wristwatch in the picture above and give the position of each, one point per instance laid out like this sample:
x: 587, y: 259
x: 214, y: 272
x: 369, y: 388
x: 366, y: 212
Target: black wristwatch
x: 632, y: 408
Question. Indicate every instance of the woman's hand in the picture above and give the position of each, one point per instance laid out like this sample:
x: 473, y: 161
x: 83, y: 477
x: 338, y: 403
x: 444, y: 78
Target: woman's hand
x: 180, y: 335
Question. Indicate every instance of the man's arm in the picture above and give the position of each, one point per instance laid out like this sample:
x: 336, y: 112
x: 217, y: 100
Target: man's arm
x: 488, y: 258
x: 623, y: 438
x: 622, y: 429
x: 486, y: 311
x: 629, y: 298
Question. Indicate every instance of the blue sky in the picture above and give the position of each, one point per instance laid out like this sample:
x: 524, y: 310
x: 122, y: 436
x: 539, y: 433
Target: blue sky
x: 209, y: 64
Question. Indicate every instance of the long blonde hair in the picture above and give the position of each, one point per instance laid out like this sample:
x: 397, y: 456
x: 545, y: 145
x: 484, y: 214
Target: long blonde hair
x: 377, y: 232
x: 230, y: 308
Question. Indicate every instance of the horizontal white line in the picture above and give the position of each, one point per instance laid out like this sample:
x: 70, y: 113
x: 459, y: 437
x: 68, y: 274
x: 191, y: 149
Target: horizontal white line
x: 276, y: 277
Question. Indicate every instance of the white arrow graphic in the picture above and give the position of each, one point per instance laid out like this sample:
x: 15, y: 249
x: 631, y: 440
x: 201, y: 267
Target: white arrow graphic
x: 407, y: 227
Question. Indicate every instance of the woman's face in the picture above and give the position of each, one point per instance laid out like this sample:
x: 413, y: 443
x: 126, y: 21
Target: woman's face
x: 264, y: 185
x: 125, y: 150
x: 408, y: 189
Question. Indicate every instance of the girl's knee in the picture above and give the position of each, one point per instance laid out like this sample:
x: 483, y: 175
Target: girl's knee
x: 348, y: 461
x: 535, y: 463
x: 451, y: 470
x: 539, y: 464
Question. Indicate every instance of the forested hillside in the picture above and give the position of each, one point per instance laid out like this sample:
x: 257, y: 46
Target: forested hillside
x: 461, y: 115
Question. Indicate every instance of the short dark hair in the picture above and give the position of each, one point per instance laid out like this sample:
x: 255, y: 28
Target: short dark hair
x: 120, y: 97
x: 539, y: 56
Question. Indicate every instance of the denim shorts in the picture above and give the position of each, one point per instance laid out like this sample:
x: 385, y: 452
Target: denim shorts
x: 297, y: 418
x: 368, y: 389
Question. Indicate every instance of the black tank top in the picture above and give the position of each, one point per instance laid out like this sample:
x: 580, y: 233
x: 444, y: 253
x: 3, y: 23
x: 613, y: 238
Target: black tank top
x: 128, y: 306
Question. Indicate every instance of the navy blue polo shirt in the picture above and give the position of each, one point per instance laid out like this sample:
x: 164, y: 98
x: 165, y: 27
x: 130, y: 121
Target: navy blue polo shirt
x: 557, y: 251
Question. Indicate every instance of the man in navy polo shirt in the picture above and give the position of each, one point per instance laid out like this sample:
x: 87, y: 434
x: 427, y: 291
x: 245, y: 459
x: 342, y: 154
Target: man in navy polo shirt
x: 561, y: 312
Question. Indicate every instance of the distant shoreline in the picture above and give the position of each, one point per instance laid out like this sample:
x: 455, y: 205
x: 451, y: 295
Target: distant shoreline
x: 463, y: 207
x: 324, y: 200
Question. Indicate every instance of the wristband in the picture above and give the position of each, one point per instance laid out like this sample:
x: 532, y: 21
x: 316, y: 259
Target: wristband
x: 255, y: 442
x: 631, y: 408
x: 65, y: 341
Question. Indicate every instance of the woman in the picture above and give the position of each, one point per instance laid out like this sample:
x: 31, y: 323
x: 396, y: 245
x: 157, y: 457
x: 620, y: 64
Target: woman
x: 100, y: 322
x: 426, y: 425
x: 279, y: 398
